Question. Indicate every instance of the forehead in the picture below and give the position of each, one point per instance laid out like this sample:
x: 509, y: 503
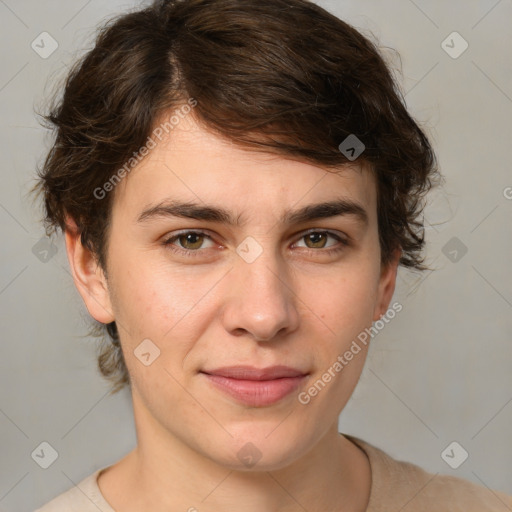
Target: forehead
x: 193, y: 164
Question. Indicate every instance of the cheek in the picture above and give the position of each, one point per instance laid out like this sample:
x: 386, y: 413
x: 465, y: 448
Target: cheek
x: 346, y: 314
x: 169, y: 308
x: 149, y: 299
x: 346, y: 302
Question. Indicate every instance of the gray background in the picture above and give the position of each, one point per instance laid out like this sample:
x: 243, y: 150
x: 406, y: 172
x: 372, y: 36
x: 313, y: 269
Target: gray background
x: 439, y: 372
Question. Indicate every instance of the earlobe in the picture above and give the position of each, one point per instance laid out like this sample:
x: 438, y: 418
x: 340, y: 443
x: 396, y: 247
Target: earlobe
x: 387, y: 285
x: 88, y: 276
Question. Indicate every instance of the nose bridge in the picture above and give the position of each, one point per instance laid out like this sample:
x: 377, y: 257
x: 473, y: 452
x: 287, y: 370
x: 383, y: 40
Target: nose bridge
x: 262, y: 301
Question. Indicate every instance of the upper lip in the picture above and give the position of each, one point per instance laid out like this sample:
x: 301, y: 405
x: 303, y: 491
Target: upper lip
x: 252, y: 373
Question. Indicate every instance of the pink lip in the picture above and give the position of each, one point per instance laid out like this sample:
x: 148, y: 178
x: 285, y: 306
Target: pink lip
x: 256, y: 387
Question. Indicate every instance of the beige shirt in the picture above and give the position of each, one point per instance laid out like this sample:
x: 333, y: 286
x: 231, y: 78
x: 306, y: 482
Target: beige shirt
x: 396, y: 486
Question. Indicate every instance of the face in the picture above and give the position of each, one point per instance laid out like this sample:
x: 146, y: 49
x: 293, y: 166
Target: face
x: 251, y: 275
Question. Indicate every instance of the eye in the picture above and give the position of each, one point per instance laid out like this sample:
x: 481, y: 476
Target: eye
x: 319, y: 239
x: 189, y: 241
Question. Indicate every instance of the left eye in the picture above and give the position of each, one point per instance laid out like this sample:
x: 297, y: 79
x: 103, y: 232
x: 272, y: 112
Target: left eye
x: 318, y: 239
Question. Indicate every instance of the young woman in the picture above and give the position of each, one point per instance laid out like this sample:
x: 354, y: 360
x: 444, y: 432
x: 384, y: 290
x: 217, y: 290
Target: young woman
x: 238, y: 182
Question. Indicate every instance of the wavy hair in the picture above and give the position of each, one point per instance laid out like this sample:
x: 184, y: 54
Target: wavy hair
x: 281, y: 76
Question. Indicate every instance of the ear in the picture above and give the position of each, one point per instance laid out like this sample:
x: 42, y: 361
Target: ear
x: 387, y: 285
x: 88, y: 275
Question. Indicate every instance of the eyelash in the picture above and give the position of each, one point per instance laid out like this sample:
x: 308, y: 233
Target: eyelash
x: 168, y: 243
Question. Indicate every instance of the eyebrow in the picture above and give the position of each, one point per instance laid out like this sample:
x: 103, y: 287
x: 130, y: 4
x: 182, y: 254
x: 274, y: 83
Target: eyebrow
x: 196, y: 211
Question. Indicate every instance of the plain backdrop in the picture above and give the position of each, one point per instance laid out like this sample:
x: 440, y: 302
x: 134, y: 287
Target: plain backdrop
x: 438, y: 373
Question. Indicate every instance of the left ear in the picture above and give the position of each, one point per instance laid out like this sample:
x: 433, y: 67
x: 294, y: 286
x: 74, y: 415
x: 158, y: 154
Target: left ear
x: 387, y: 285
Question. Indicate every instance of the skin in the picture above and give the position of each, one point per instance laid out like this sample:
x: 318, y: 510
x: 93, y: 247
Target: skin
x: 295, y: 304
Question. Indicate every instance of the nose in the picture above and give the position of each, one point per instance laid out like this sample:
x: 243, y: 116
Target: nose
x: 261, y: 299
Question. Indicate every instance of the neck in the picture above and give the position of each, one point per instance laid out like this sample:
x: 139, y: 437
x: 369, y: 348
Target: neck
x: 163, y: 473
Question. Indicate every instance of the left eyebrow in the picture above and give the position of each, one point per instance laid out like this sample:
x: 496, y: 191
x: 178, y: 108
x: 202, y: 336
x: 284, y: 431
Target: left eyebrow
x: 208, y: 213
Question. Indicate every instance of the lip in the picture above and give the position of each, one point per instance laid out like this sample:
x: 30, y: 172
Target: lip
x: 256, y: 387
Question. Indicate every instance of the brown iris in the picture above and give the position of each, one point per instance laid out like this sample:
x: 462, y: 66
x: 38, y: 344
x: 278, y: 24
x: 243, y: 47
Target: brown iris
x: 315, y: 238
x: 194, y: 239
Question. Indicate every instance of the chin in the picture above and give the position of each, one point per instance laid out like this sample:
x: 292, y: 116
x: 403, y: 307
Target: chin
x: 253, y: 451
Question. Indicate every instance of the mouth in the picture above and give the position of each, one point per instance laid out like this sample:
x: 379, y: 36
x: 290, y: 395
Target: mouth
x: 254, y: 386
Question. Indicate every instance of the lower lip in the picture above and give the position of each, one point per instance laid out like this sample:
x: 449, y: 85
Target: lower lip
x: 256, y: 393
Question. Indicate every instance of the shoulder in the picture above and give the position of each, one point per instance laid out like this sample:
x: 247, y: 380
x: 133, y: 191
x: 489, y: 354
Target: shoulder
x: 83, y: 497
x: 404, y: 486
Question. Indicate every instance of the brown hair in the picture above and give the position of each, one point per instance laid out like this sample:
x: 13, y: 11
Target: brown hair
x: 282, y: 76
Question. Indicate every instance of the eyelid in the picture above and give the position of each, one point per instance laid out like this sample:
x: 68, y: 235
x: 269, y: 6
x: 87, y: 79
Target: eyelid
x: 339, y: 235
